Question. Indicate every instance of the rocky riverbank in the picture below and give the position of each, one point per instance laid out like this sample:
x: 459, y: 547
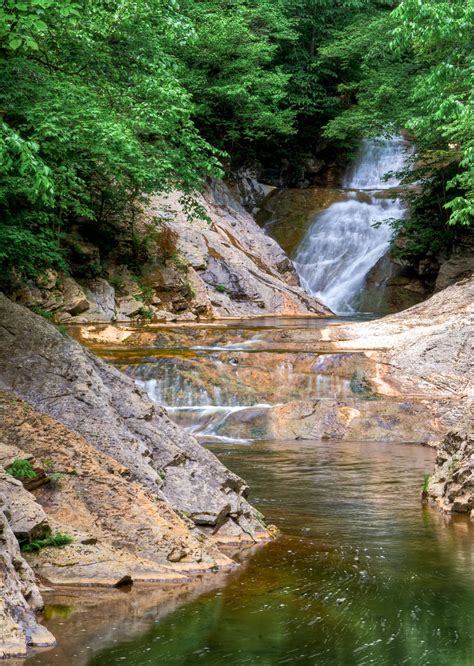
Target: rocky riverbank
x: 220, y: 264
x: 140, y: 499
x: 452, y: 485
x: 405, y: 377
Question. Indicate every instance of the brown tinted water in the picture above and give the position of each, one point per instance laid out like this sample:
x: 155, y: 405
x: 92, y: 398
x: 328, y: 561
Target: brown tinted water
x: 361, y: 573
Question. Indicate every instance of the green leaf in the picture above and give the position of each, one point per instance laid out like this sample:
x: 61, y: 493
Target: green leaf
x: 15, y: 43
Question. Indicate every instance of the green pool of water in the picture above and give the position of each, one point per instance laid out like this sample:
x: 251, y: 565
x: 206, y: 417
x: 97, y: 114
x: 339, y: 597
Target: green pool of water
x: 361, y: 574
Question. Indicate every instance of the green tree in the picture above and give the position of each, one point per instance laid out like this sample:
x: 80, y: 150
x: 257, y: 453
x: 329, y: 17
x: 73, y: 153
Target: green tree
x: 95, y: 119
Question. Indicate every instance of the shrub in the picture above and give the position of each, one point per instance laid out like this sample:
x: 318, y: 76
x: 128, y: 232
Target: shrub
x: 43, y: 313
x: 21, y: 469
x: 426, y: 483
x: 52, y: 541
x: 144, y: 313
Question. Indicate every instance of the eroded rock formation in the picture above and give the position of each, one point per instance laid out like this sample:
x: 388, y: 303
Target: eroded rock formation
x: 452, y: 484
x: 19, y: 596
x: 140, y: 497
x: 223, y: 265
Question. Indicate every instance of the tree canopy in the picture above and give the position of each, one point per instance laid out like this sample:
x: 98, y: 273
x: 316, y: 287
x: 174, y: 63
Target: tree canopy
x: 104, y: 103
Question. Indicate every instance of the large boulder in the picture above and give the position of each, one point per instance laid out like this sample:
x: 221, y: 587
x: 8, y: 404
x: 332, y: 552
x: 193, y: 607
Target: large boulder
x: 120, y: 531
x: 27, y: 518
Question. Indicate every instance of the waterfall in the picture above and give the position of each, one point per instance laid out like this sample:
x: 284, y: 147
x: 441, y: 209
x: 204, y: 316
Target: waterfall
x: 342, y: 244
x: 227, y: 393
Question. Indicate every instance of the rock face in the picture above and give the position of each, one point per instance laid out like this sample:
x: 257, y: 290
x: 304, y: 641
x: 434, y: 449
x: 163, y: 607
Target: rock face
x: 241, y: 270
x: 247, y: 189
x: 142, y: 499
x: 19, y: 597
x: 426, y: 350
x: 27, y: 518
x: 452, y: 484
x: 121, y: 531
x: 117, y: 418
x: 395, y: 284
x: 390, y: 287
x: 356, y: 420
x: 460, y: 263
x: 224, y: 265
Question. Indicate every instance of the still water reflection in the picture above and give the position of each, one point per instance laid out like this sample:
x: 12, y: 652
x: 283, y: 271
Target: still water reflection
x: 362, y: 573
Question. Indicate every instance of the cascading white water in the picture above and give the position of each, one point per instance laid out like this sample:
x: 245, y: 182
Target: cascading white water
x: 226, y: 393
x: 342, y: 244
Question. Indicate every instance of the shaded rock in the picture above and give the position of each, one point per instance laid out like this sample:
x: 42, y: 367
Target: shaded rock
x: 460, y: 263
x: 74, y: 299
x: 19, y: 599
x: 248, y: 190
x: 127, y: 307
x: 452, y: 483
x: 48, y: 280
x: 390, y: 287
x: 102, y: 295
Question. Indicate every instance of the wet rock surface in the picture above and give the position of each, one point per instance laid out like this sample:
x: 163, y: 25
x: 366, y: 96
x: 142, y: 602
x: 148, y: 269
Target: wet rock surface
x: 403, y: 377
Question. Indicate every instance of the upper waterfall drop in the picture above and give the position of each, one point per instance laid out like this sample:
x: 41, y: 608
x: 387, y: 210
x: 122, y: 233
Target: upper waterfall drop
x: 342, y: 244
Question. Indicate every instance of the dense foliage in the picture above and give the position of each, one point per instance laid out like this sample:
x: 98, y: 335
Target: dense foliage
x: 104, y: 103
x: 415, y: 70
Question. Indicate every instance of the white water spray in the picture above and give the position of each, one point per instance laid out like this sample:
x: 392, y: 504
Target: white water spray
x: 342, y: 244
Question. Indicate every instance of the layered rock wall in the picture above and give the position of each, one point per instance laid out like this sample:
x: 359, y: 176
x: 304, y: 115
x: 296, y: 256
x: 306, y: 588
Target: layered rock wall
x: 141, y: 499
x: 223, y: 265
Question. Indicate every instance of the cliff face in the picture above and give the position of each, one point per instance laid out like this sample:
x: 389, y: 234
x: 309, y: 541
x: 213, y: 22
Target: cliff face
x: 220, y: 266
x: 396, y: 284
x: 140, y: 497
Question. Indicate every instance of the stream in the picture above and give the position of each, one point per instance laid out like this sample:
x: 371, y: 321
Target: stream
x: 361, y: 572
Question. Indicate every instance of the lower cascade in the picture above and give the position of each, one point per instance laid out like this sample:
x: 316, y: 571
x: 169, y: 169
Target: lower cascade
x: 224, y: 393
x: 347, y: 239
